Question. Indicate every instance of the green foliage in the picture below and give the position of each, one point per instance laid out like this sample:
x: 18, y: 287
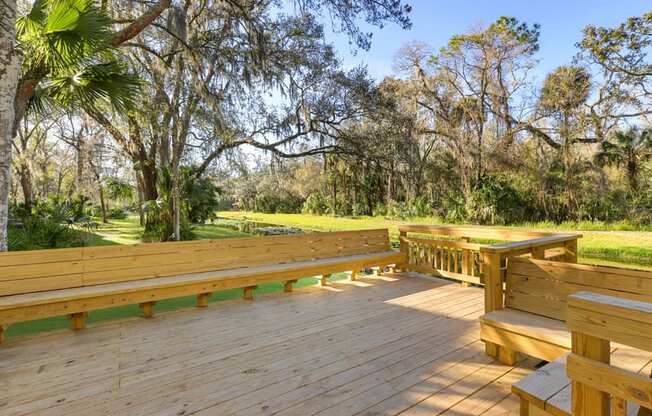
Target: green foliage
x: 565, y: 89
x: 65, y: 45
x: 315, y: 204
x: 630, y: 149
x: 281, y: 203
x: 116, y: 213
x: 57, y: 222
x: 495, y: 200
x: 200, y: 197
x: 118, y: 190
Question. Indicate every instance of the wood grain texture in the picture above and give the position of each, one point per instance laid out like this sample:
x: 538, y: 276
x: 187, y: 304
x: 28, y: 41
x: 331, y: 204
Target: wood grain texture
x: 375, y: 346
x: 72, y: 281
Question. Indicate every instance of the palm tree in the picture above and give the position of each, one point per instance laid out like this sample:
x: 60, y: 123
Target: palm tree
x: 65, y: 43
x: 631, y: 149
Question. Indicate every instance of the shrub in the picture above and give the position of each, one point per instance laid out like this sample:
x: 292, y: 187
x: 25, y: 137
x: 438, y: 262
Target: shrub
x: 35, y: 233
x: 315, y: 204
x: 116, y: 213
x: 495, y: 200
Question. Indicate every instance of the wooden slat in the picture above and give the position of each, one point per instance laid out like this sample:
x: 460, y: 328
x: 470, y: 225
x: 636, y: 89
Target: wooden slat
x: 44, y: 270
x: 606, y: 378
x: 610, y: 318
x: 542, y: 287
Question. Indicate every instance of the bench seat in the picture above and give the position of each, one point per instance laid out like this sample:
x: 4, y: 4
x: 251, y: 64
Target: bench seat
x: 539, y: 336
x: 21, y: 307
x: 547, y: 391
x: 530, y: 317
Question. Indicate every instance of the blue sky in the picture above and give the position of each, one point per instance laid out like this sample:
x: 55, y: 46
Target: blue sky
x: 435, y: 21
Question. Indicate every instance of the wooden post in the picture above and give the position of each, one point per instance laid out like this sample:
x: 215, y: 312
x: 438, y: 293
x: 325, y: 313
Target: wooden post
x: 618, y: 407
x: 147, y: 308
x: 525, y: 408
x: 352, y: 276
x: 324, y: 279
x: 570, y: 251
x: 287, y: 286
x: 202, y: 300
x: 587, y: 400
x: 404, y: 249
x: 77, y: 320
x: 538, y: 253
x: 249, y: 292
x: 493, y: 301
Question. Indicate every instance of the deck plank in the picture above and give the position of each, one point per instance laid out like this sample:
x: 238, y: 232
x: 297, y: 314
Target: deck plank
x: 381, y: 345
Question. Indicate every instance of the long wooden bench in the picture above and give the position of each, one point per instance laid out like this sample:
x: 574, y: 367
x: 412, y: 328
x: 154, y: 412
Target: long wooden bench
x: 72, y: 282
x: 531, y: 318
x: 597, y: 378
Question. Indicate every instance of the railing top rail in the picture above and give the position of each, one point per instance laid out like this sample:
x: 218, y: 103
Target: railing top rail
x: 478, y: 231
x: 446, y: 243
x: 529, y: 245
x: 611, y: 318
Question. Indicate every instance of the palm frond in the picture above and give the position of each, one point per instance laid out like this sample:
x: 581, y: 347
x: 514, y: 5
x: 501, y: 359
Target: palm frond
x: 95, y: 85
x: 60, y: 34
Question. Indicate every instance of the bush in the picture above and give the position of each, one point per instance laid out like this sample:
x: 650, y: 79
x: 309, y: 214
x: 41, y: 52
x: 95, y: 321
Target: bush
x: 35, y: 233
x: 315, y: 204
x: 496, y: 201
x: 116, y: 213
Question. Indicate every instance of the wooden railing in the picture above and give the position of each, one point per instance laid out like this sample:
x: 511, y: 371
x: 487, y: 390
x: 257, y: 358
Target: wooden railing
x: 448, y: 251
x: 459, y: 260
x: 595, y: 321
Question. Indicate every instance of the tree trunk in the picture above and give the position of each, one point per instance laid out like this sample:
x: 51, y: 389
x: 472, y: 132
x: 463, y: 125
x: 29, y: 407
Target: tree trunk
x: 79, y: 176
x: 26, y: 185
x: 10, y: 61
x: 141, y: 199
x: 102, y: 203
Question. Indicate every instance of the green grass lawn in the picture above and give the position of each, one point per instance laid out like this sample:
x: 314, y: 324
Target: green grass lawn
x: 629, y: 248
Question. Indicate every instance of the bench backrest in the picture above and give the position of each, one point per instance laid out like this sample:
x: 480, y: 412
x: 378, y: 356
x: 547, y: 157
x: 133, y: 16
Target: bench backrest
x: 41, y: 270
x: 541, y: 287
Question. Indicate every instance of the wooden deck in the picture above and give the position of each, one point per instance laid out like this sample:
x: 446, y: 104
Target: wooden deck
x: 378, y: 346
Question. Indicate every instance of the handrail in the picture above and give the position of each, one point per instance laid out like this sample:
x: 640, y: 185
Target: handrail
x: 517, y: 248
x: 448, y: 243
x: 474, y: 231
x: 595, y: 320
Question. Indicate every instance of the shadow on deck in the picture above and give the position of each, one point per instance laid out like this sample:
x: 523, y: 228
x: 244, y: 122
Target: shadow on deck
x: 379, y: 346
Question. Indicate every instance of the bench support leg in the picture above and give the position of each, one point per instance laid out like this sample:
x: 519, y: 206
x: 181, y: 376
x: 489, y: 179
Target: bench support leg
x: 324, y: 279
x: 376, y: 271
x: 202, y: 300
x: 249, y: 293
x: 524, y: 408
x: 353, y: 275
x: 287, y: 286
x: 78, y: 320
x: 148, y: 309
x: 2, y: 334
x: 392, y: 269
x: 491, y: 349
x: 507, y: 356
